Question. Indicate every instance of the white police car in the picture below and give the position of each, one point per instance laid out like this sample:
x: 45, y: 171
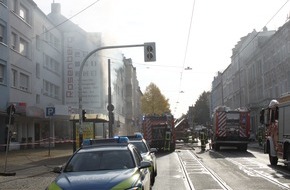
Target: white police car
x: 147, y: 153
x: 104, y: 164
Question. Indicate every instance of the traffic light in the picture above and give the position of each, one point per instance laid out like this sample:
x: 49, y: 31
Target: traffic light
x: 149, y: 52
x: 84, y: 115
x: 10, y: 110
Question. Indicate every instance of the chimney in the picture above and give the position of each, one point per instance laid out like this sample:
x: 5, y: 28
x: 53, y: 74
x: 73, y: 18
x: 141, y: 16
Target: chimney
x: 55, y: 8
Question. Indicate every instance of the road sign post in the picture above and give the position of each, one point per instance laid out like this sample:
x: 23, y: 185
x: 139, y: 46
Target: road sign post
x: 10, y: 112
x: 50, y: 111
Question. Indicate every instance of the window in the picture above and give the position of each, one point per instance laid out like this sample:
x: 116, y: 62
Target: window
x: 14, y: 78
x: 51, y: 64
x: 37, y: 99
x: 24, y: 82
x: 1, y: 74
x: 23, y: 13
x: 38, y: 42
x: 77, y: 64
x: 13, y: 40
x: 56, y: 43
x: 137, y: 156
x: 37, y: 70
x: 46, y: 87
x: 56, y: 92
x: 51, y: 89
x: 2, y: 32
x: 13, y: 5
x: 23, y: 47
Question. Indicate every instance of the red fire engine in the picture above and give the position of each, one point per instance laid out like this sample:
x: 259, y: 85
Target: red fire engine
x: 275, y: 118
x: 231, y: 128
x: 158, y: 131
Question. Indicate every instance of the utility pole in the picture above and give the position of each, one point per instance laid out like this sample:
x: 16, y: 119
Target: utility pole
x: 110, y: 106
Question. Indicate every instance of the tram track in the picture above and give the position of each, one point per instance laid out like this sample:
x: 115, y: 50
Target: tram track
x: 255, y: 172
x: 246, y: 163
x: 222, y: 184
x: 191, y: 164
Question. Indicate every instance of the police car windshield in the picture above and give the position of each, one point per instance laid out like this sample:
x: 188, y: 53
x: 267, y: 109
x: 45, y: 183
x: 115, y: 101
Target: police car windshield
x: 140, y: 146
x: 100, y: 160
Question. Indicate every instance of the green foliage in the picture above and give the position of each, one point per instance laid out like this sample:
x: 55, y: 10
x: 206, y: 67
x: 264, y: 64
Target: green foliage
x: 201, y: 112
x: 153, y: 102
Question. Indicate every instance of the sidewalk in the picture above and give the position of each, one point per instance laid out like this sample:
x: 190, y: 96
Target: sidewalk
x: 33, y: 161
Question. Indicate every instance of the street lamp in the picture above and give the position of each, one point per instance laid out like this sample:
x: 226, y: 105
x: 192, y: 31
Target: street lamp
x: 150, y: 58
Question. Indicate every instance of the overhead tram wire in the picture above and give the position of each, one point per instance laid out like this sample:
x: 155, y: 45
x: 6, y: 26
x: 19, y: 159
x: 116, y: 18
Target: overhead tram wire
x: 70, y: 17
x: 238, y: 53
x: 185, y: 53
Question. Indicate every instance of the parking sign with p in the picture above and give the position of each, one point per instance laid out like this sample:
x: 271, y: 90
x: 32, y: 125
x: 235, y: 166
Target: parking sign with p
x: 50, y: 111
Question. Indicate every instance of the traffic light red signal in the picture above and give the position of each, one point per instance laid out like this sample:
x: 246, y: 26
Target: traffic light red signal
x: 149, y: 52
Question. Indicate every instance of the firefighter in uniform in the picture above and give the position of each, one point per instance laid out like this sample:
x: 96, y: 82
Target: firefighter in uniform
x: 202, y: 140
x: 167, y: 141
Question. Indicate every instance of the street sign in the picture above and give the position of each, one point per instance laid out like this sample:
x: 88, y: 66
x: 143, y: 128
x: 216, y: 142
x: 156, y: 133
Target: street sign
x: 110, y: 107
x: 50, y: 111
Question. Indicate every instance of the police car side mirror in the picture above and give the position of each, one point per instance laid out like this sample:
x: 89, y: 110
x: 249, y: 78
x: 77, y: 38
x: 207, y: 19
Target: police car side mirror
x: 145, y: 164
x: 57, y: 169
x: 153, y: 150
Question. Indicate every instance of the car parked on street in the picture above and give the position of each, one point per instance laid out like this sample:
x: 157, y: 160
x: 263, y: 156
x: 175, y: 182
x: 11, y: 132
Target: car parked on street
x: 147, y: 153
x: 104, y: 164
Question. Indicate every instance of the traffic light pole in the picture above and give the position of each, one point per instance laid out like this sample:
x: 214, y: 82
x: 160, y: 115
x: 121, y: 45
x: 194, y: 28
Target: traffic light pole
x: 110, y: 100
x: 80, y: 81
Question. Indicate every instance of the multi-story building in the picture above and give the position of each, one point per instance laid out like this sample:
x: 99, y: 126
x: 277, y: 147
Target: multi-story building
x: 40, y: 60
x: 259, y: 72
x: 31, y: 70
x: 132, y: 98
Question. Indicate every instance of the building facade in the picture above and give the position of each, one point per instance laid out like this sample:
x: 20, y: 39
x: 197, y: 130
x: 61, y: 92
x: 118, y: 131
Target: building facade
x: 40, y: 60
x: 259, y: 71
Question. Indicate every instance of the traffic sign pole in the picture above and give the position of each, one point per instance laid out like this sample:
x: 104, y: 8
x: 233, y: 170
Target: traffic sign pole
x: 50, y: 111
x: 10, y: 112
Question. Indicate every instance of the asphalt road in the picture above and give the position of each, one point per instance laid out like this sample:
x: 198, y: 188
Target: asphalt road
x: 33, y: 168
